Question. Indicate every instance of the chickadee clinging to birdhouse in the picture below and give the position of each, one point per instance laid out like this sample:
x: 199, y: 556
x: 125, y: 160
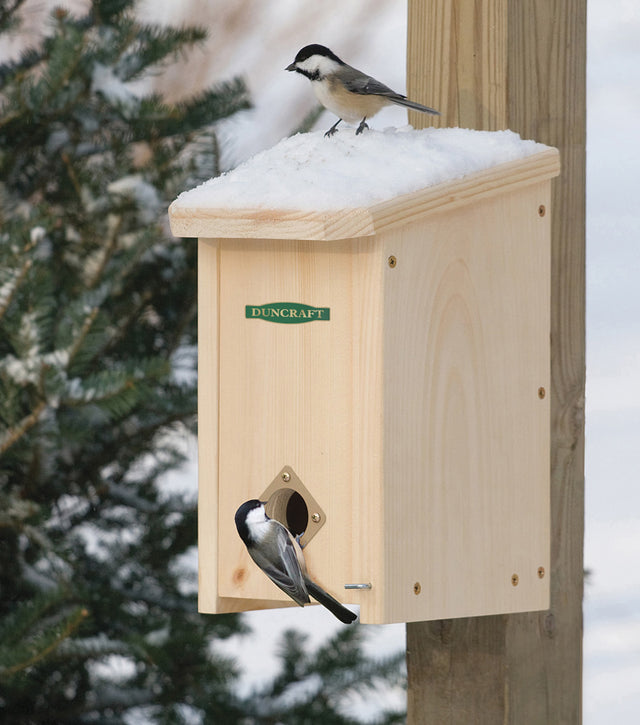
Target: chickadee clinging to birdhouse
x: 274, y: 549
x: 350, y: 94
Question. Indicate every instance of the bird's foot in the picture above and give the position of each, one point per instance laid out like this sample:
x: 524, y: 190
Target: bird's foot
x: 361, y: 127
x: 333, y: 129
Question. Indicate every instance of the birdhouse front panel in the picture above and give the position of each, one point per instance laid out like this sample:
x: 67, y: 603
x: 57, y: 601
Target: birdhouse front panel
x: 297, y: 332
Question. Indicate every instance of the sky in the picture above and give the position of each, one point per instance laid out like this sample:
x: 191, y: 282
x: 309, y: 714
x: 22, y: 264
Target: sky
x: 612, y: 465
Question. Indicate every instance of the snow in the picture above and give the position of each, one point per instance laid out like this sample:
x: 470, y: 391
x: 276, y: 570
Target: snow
x: 37, y: 234
x: 142, y: 192
x: 105, y: 81
x: 8, y: 288
x: 310, y: 172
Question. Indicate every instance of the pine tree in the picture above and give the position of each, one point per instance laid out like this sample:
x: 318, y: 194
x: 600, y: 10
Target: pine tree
x: 327, y: 685
x: 98, y: 620
x: 97, y: 331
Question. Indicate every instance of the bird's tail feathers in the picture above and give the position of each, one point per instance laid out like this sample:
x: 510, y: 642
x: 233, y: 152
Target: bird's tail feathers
x: 402, y: 101
x: 346, y: 616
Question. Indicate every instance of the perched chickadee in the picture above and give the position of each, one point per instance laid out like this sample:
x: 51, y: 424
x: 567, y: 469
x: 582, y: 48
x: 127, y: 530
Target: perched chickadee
x: 278, y: 554
x: 345, y: 91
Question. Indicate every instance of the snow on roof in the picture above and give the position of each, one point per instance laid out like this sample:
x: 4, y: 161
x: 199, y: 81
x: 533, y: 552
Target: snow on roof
x: 311, y: 172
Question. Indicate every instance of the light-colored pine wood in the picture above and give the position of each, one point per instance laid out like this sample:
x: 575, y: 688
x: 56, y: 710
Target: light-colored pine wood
x: 208, y: 381
x: 360, y: 222
x: 457, y: 62
x: 523, y: 668
x: 547, y: 57
x: 466, y: 458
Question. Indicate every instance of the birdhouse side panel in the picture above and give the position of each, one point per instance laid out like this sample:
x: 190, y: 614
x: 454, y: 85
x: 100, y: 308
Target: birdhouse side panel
x: 466, y: 453
x: 208, y: 381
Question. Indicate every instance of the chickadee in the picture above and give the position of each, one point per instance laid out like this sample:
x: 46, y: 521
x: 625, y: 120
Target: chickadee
x: 345, y: 91
x: 279, y: 555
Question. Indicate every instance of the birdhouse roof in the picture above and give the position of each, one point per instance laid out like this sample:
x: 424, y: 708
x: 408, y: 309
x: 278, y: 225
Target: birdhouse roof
x: 348, y: 186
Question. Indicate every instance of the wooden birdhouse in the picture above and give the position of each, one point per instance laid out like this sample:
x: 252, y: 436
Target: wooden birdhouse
x: 380, y: 375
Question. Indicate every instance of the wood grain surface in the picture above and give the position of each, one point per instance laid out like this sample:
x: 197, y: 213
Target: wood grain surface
x: 520, y: 65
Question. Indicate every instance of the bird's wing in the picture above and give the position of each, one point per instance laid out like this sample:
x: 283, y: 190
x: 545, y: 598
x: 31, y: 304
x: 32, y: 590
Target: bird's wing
x: 284, y: 569
x: 358, y: 82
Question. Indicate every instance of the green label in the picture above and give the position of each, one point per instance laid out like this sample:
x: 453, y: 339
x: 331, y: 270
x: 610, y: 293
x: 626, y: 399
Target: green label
x: 287, y: 313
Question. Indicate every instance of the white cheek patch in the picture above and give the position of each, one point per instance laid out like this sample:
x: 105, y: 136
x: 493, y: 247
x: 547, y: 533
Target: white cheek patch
x: 319, y: 63
x: 255, y: 520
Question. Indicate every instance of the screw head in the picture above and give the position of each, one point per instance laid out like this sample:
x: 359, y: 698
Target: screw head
x: 541, y: 392
x: 515, y: 579
x: 417, y: 588
x: 286, y: 476
x: 392, y: 261
x: 542, y: 210
x: 541, y: 572
x: 315, y: 517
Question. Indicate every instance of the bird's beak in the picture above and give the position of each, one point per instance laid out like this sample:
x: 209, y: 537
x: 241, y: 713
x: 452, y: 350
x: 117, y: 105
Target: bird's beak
x: 291, y: 66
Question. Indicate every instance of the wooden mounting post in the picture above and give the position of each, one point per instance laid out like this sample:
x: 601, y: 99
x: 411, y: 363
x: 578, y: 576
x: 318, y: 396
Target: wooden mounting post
x: 517, y: 64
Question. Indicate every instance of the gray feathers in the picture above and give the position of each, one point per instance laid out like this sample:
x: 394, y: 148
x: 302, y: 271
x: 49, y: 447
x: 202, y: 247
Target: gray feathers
x: 278, y: 559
